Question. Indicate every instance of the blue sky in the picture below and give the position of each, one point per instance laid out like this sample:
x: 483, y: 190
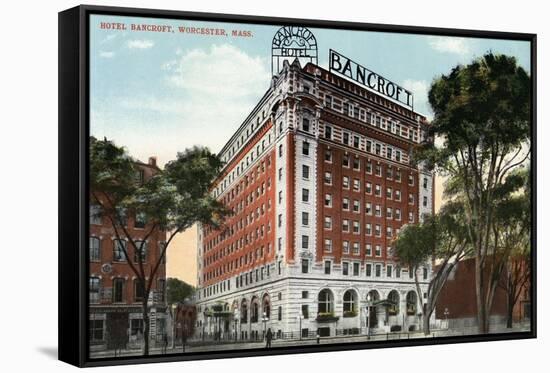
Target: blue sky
x: 158, y: 93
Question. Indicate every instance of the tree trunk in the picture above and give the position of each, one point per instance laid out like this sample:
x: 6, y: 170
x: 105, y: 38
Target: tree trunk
x: 426, y: 321
x: 482, y: 321
x: 509, y: 311
x: 145, y: 315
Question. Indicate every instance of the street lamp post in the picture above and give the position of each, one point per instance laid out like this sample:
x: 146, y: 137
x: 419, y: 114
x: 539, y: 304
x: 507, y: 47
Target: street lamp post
x: 236, y: 319
x: 174, y: 308
x: 300, y: 318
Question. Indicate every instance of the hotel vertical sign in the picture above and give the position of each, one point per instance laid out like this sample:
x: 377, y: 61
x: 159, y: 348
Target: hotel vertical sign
x: 373, y: 81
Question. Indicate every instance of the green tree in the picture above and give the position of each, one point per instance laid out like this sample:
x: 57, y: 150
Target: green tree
x: 440, y: 239
x: 177, y: 290
x: 482, y: 117
x: 171, y: 201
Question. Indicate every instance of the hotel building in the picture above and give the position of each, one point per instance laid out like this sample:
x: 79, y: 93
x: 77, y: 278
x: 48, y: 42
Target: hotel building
x: 320, y: 181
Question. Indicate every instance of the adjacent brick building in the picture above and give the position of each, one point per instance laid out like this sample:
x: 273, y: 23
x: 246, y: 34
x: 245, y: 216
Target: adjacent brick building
x: 320, y: 179
x: 115, y: 312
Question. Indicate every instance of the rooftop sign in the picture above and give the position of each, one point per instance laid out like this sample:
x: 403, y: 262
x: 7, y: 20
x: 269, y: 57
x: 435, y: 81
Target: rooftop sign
x: 373, y: 81
x: 291, y: 42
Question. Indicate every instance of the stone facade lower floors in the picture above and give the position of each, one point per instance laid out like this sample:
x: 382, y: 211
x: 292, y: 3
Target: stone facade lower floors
x: 293, y: 307
x: 120, y: 326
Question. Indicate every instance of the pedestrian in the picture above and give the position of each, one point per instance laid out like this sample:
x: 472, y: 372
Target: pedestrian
x: 268, y: 338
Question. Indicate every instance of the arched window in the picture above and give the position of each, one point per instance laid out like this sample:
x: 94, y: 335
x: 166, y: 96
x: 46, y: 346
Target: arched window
x: 95, y: 249
x: 95, y: 284
x: 373, y: 296
x: 325, y: 302
x: 350, y: 303
x: 393, y: 299
x: 254, y: 310
x: 119, y: 246
x: 411, y: 303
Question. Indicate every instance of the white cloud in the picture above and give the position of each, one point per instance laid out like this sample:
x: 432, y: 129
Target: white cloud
x: 448, y: 44
x: 106, y: 54
x: 419, y: 89
x: 208, y: 94
x: 140, y: 44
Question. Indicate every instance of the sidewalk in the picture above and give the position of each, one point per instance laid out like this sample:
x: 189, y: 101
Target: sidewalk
x: 202, y: 346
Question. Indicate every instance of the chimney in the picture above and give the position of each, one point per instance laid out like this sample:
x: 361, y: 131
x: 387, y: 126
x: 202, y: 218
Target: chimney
x: 153, y: 161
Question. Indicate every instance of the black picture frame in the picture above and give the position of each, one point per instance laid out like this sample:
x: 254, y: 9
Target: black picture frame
x: 74, y: 187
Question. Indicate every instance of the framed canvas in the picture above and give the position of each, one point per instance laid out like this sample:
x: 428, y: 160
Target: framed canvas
x: 234, y: 186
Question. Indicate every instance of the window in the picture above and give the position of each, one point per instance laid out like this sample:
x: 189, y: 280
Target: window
x: 368, y: 208
x: 377, y: 190
x: 305, y: 218
x: 328, y: 245
x: 345, y: 225
x: 305, y: 294
x: 425, y: 201
x: 389, y: 212
x: 328, y: 178
x: 397, y: 214
x: 118, y: 290
x: 398, y: 272
x: 377, y: 149
x: 95, y: 249
x: 345, y: 138
x: 356, y: 206
x: 398, y: 195
x: 122, y: 216
x: 305, y: 171
x: 305, y: 242
x: 281, y: 150
x: 328, y: 156
x: 368, y: 269
x: 119, y: 247
x: 368, y: 249
x: 368, y: 229
x: 328, y: 132
x: 305, y: 311
x: 280, y: 220
x: 305, y: 148
x: 328, y: 222
x: 94, y: 289
x: 425, y: 183
x: 378, y: 270
x: 96, y: 330
x: 280, y: 243
x: 280, y: 173
x: 305, y: 265
x: 305, y: 124
x: 345, y: 203
x: 325, y: 302
x: 280, y: 196
x: 328, y: 200
x: 356, y: 164
x: 368, y: 167
x: 140, y: 221
x: 95, y: 214
x: 411, y: 199
x: 136, y: 326
x: 345, y: 160
x: 345, y: 182
x: 139, y: 290
x: 411, y: 180
x: 141, y: 252
x: 377, y: 250
x: 350, y: 303
x: 345, y: 268
x: 356, y: 227
x: 356, y: 186
x: 389, y: 193
x: 377, y: 211
x: 355, y: 141
x: 356, y: 269
x: 305, y: 195
x: 389, y: 270
x: 328, y: 264
x: 368, y: 188
x: 425, y: 273
x: 378, y: 170
x: 280, y: 313
x: 411, y: 217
